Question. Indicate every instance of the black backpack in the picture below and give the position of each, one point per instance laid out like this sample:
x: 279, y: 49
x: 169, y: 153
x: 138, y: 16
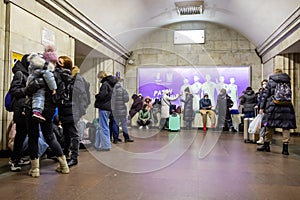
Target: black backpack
x: 64, y: 86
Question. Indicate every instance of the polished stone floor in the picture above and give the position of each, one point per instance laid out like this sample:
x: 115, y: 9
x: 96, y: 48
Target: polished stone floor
x: 185, y: 165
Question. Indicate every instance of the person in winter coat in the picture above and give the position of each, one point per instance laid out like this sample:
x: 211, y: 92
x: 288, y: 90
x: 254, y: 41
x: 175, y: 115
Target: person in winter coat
x: 205, y: 108
x: 47, y: 129
x: 277, y: 115
x: 67, y: 110
x: 43, y: 70
x: 17, y: 90
x: 103, y: 103
x: 144, y: 117
x: 259, y: 98
x: 119, y: 110
x: 188, y: 112
x: 259, y: 101
x: 148, y: 102
x: 249, y: 100
x: 224, y: 103
x: 165, y: 107
x: 156, y: 107
x: 80, y: 96
x: 136, y: 106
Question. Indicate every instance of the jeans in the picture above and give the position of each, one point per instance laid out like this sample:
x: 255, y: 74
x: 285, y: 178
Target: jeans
x: 113, y: 128
x: 249, y: 114
x: 103, y: 133
x: 123, y: 121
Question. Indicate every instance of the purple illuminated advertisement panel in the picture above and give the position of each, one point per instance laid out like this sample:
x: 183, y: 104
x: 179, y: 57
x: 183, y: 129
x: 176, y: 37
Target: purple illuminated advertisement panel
x: 152, y: 81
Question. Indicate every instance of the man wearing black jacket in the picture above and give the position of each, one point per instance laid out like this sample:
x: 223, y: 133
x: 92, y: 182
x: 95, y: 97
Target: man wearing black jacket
x: 17, y: 86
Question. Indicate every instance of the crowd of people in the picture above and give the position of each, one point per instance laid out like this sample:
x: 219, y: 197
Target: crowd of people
x: 47, y: 98
x: 45, y: 83
x: 275, y: 114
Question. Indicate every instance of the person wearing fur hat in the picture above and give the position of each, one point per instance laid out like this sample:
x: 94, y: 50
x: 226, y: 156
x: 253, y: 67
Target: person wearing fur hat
x: 205, y: 108
x: 40, y: 71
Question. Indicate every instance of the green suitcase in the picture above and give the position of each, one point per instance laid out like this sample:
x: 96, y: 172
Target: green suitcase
x: 174, y: 122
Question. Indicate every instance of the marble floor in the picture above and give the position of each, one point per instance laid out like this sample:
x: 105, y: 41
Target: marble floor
x: 163, y: 165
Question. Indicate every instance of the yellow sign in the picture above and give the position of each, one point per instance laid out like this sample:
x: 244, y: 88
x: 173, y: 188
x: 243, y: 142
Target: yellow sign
x: 15, y: 56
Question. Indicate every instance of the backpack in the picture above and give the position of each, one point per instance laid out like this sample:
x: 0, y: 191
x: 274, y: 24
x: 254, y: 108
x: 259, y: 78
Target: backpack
x: 8, y: 102
x: 282, y: 94
x: 64, y: 84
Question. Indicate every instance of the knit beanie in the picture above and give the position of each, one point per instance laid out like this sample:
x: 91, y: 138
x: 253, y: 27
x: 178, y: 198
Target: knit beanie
x: 49, y: 54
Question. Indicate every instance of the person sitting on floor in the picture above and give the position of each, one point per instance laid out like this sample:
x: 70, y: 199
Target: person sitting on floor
x: 144, y: 117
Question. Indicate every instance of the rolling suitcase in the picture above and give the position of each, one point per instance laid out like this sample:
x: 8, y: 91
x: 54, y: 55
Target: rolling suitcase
x: 174, y: 122
x: 248, y: 137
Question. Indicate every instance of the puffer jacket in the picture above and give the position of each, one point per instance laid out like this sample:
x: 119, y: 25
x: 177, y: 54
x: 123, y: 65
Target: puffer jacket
x: 136, y: 106
x: 17, y: 89
x: 277, y: 116
x: 103, y: 98
x: 119, y: 99
x: 249, y: 100
x: 78, y: 90
x: 224, y: 103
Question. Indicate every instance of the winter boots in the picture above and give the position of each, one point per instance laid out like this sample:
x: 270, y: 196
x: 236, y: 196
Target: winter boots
x: 35, y: 168
x: 285, y: 149
x: 265, y: 147
x: 260, y: 141
x: 63, y: 166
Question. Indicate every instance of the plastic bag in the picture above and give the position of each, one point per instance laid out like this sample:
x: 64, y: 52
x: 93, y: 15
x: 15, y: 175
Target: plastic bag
x: 255, y: 124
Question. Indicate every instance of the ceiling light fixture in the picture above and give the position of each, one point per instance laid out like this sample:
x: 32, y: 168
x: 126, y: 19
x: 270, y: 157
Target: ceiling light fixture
x: 189, y: 7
